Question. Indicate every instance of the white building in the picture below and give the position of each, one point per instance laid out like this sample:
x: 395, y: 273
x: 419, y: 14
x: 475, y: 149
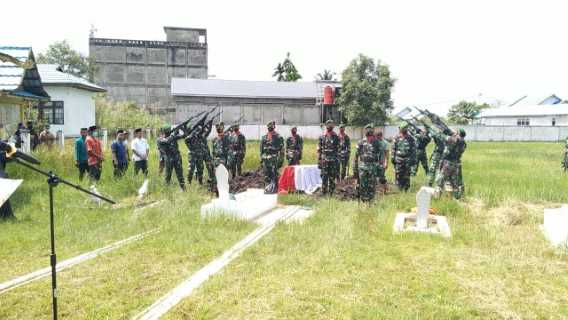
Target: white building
x: 527, y: 111
x: 72, y: 104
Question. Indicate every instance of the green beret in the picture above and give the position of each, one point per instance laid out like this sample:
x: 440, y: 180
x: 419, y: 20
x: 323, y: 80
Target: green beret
x: 271, y: 124
x: 220, y: 125
x: 461, y: 132
x: 329, y: 122
x: 403, y: 125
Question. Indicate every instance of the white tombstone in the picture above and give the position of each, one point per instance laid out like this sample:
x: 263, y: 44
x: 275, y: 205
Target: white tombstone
x: 222, y: 176
x: 105, y: 138
x: 247, y: 205
x: 555, y: 226
x: 26, y: 141
x: 61, y: 140
x: 422, y: 221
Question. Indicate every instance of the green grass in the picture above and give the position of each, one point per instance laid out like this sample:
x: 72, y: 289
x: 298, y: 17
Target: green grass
x: 344, y: 262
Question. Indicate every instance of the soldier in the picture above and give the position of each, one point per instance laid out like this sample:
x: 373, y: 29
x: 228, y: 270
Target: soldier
x: 449, y: 170
x: 565, y: 161
x: 384, y: 163
x: 271, y: 157
x: 220, y: 146
x: 294, y: 147
x: 403, y: 157
x: 422, y: 140
x: 196, y: 155
x: 371, y: 153
x: 462, y: 150
x: 168, y: 145
x: 436, y: 158
x: 162, y: 162
x: 237, y: 152
x: 328, y: 161
x: 344, y: 151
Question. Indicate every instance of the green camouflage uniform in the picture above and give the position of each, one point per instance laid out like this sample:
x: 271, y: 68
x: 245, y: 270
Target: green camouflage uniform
x: 381, y: 174
x: 271, y: 157
x: 403, y: 157
x: 460, y: 175
x: 198, y: 155
x: 168, y: 146
x: 294, y: 149
x: 237, y: 152
x: 422, y: 142
x: 439, y: 146
x: 328, y: 151
x: 220, y: 150
x: 368, y: 156
x: 565, y: 161
x: 344, y: 154
x: 449, y: 170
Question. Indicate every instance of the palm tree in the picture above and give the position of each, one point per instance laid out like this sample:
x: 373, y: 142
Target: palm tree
x: 326, y: 75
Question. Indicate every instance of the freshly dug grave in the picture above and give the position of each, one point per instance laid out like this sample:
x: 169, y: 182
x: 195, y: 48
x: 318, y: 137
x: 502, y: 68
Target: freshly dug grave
x: 346, y: 189
x: 249, y: 179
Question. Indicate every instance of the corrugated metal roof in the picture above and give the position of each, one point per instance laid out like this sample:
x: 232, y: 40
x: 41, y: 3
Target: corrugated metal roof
x: 51, y: 76
x: 523, y: 111
x: 11, y: 75
x: 243, y: 89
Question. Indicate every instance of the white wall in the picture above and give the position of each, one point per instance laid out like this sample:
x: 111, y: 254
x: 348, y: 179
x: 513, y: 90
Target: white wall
x: 79, y: 108
x: 534, y: 121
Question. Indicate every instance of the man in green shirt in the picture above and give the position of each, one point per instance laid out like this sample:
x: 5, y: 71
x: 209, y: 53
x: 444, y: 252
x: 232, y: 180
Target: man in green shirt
x: 81, y: 154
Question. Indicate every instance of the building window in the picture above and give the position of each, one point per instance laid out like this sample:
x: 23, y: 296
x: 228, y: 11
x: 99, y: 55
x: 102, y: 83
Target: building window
x: 553, y: 122
x: 52, y: 112
x: 523, y: 122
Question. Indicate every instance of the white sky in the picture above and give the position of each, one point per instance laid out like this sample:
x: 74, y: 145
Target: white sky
x: 439, y: 50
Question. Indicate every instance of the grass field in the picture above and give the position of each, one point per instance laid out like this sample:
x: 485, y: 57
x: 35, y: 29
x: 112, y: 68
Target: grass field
x: 344, y: 262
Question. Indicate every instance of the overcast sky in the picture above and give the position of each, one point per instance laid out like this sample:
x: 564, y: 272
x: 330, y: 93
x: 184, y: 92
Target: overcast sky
x: 439, y: 50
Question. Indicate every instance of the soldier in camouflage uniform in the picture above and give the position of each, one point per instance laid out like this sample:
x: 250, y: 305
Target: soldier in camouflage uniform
x: 271, y: 157
x: 565, y: 160
x: 436, y: 158
x: 460, y: 175
x: 168, y: 146
x: 403, y: 157
x: 196, y: 143
x: 237, y: 152
x: 294, y: 147
x: 449, y: 170
x: 422, y: 140
x: 220, y: 146
x: 384, y: 159
x: 368, y: 156
x: 344, y: 151
x: 328, y: 160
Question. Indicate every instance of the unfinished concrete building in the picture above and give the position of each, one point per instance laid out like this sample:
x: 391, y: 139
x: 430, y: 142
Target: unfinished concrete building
x: 141, y: 70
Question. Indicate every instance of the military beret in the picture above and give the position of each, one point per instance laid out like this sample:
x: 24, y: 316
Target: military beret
x: 271, y: 124
x: 220, y: 125
x: 403, y: 125
x: 330, y: 122
x: 341, y: 126
x: 462, y: 132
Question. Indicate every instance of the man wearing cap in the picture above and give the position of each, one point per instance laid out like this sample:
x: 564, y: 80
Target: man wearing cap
x: 449, y: 170
x: 368, y: 156
x: 294, y: 147
x: 403, y: 156
x: 422, y: 140
x: 46, y: 137
x: 344, y: 151
x: 220, y: 146
x: 328, y: 161
x: 81, y: 158
x: 271, y: 157
x: 140, y: 151
x: 237, y: 151
x: 172, y: 158
x: 94, y: 155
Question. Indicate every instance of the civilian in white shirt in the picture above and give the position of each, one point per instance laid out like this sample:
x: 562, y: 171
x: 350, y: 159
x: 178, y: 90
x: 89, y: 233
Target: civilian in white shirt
x: 140, y: 151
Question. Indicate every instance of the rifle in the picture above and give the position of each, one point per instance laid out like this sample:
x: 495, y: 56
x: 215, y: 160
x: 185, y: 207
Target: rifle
x: 232, y: 127
x: 184, y: 123
x: 436, y: 121
x: 201, y: 122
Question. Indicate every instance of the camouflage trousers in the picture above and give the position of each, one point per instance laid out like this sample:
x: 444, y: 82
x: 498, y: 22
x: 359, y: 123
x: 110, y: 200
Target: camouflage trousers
x: 343, y: 165
x: 402, y: 171
x: 270, y: 170
x: 329, y: 173
x: 381, y: 175
x: 421, y: 159
x: 367, y: 183
x: 434, y: 168
x: 449, y: 172
x: 196, y: 165
x: 171, y: 165
x: 235, y: 163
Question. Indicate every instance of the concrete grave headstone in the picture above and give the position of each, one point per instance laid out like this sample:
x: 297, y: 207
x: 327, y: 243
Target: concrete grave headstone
x: 26, y: 141
x: 60, y: 140
x: 222, y: 176
x: 422, y: 221
x: 555, y: 226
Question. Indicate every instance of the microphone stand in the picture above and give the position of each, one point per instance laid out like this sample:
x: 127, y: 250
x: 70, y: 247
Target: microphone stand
x: 53, y: 180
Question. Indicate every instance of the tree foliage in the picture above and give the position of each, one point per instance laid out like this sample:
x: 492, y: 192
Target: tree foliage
x: 126, y: 115
x: 326, y: 75
x: 366, y: 91
x: 68, y: 60
x: 286, y: 71
x: 465, y: 112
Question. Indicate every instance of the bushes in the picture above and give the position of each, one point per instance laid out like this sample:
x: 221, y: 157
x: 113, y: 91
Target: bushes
x: 112, y: 115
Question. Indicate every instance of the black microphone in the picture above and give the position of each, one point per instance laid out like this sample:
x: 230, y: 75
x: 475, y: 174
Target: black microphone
x: 12, y: 152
